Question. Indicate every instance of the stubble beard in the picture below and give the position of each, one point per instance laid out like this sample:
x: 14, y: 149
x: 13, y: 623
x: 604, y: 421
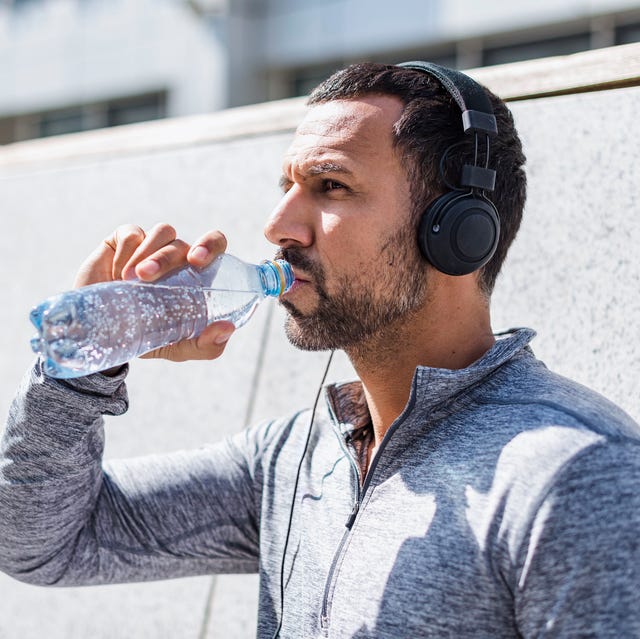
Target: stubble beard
x: 368, y: 307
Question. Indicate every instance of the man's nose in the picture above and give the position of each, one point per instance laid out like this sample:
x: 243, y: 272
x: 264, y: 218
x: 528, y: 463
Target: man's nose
x: 289, y: 223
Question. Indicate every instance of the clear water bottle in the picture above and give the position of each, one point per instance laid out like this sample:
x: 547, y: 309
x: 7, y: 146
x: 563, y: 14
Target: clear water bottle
x: 100, y: 326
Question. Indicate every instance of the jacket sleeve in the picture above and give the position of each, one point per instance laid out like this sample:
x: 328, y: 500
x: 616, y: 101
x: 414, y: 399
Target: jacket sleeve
x: 579, y: 570
x: 67, y: 520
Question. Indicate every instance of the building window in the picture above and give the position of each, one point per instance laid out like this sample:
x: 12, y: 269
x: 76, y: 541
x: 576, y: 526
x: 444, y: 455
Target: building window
x: 137, y: 109
x: 537, y: 49
x: 628, y: 33
x: 60, y: 122
x: 140, y: 108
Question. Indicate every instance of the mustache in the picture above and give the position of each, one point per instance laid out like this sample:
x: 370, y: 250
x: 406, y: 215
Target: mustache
x: 298, y: 259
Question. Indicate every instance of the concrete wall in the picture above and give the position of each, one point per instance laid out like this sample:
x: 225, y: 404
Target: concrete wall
x: 573, y: 275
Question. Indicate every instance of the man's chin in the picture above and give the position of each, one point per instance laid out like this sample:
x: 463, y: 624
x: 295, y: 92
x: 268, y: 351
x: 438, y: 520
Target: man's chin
x: 305, y: 340
x: 298, y: 309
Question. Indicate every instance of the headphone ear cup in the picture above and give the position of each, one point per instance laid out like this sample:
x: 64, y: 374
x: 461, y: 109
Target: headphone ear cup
x: 459, y: 232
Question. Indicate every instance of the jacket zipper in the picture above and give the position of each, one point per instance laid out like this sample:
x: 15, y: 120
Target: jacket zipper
x: 324, y: 616
x: 360, y: 493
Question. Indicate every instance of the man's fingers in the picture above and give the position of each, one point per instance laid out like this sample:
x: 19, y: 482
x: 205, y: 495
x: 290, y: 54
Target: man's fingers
x: 207, y: 248
x: 162, y: 261
x: 210, y: 344
x: 151, y: 255
x: 105, y: 263
x: 124, y: 242
x: 158, y: 237
x: 131, y: 252
x: 215, y: 335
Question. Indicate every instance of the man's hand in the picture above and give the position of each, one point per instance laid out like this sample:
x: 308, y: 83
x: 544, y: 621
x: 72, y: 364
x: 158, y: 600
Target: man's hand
x: 131, y: 253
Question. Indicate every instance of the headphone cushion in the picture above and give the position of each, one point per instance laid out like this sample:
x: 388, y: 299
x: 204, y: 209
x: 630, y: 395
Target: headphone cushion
x: 459, y: 232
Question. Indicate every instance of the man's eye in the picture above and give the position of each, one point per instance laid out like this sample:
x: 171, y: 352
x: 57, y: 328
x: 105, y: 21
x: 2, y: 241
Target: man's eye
x: 285, y: 184
x: 332, y: 185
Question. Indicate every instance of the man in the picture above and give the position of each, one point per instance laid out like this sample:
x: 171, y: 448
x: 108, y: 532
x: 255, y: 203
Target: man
x: 459, y: 489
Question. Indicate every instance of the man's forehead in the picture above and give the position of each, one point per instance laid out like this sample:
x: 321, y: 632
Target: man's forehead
x: 355, y: 124
x: 335, y: 117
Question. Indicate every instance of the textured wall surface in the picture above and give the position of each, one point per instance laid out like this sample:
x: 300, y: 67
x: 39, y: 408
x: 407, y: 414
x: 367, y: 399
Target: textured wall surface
x: 573, y: 275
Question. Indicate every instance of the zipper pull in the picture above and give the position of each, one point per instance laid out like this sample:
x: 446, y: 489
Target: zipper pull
x: 353, y: 515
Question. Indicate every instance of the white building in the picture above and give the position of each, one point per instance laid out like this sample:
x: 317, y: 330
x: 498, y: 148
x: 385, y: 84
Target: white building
x: 70, y: 65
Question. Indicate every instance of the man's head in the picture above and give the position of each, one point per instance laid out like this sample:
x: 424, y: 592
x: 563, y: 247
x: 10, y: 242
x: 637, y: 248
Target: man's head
x: 363, y: 165
x: 429, y: 126
x: 344, y: 225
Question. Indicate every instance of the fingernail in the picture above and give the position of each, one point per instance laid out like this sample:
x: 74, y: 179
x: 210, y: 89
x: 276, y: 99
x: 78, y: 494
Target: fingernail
x: 223, y: 338
x: 149, y: 267
x: 199, y: 253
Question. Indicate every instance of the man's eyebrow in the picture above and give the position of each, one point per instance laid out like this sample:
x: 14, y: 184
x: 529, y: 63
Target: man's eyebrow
x: 316, y: 169
x: 327, y: 167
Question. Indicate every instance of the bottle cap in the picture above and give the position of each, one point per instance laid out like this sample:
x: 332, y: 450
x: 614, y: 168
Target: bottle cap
x: 282, y: 277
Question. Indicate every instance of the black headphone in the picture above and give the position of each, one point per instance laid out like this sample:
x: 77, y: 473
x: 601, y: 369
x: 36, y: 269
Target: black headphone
x: 459, y: 231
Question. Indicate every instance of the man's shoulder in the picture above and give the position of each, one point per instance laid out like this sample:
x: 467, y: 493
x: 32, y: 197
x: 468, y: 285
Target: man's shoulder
x: 551, y: 431
x: 542, y: 400
x: 274, y: 431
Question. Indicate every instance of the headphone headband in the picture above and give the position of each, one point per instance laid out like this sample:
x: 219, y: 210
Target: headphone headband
x: 459, y: 231
x: 477, y: 113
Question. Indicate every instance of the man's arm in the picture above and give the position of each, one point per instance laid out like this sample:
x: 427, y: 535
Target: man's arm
x: 579, y: 570
x: 66, y: 521
x: 63, y: 519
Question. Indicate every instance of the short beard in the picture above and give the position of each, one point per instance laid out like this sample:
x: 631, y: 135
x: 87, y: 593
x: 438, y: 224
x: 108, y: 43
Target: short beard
x: 365, y: 305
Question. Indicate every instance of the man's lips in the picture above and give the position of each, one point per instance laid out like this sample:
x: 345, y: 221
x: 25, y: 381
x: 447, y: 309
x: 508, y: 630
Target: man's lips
x: 299, y: 281
x: 297, y: 284
x: 300, y: 277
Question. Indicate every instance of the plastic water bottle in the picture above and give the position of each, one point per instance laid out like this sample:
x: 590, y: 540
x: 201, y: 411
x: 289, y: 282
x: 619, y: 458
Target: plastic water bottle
x: 100, y: 326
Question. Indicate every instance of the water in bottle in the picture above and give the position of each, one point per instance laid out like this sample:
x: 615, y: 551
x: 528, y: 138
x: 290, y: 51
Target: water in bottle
x: 100, y: 326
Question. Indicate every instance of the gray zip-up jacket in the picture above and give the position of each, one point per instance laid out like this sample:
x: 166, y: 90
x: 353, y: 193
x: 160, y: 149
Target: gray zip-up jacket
x: 503, y: 502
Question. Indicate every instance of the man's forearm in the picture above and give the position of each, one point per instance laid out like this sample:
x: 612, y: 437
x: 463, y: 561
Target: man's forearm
x: 51, y: 470
x: 67, y: 519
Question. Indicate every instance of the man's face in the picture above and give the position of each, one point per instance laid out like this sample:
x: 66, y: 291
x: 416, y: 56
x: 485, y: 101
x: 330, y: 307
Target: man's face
x: 345, y: 225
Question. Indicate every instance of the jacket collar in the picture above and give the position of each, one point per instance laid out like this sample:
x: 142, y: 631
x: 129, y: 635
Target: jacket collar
x: 431, y: 388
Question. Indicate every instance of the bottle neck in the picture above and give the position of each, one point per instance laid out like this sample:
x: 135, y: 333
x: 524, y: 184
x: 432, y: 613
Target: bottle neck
x: 276, y: 277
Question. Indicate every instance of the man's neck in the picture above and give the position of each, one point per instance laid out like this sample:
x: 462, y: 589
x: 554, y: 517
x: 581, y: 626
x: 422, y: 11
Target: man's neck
x: 452, y: 331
